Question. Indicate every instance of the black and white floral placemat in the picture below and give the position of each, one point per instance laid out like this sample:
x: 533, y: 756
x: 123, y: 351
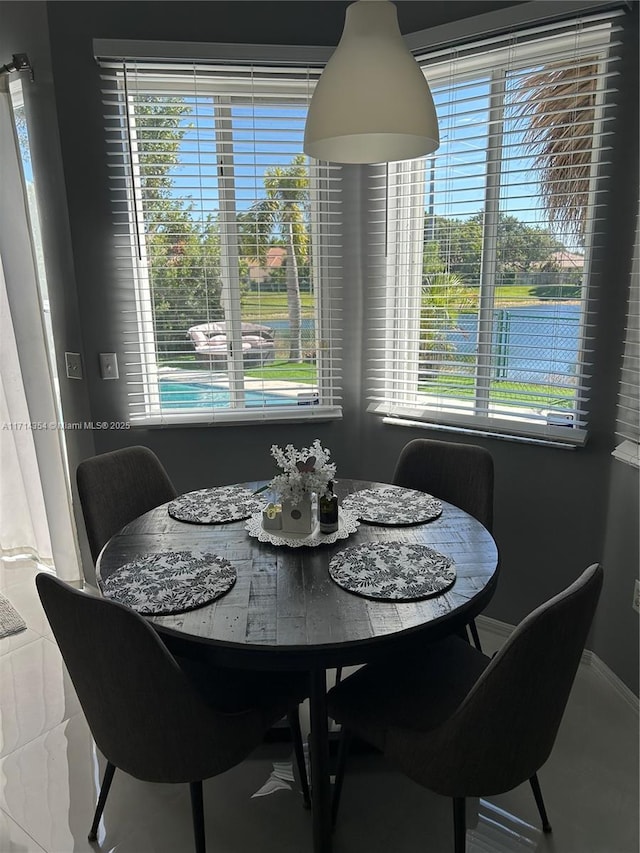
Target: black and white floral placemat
x: 392, y: 571
x: 393, y: 505
x: 215, y: 506
x: 170, y: 581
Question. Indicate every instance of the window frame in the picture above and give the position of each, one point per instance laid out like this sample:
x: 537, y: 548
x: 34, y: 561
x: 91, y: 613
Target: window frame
x: 143, y: 378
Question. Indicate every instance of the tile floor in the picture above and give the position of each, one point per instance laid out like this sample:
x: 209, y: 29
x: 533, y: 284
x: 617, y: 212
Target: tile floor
x: 50, y: 771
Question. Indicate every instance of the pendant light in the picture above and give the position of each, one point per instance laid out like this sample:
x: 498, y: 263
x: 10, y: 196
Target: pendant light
x: 372, y: 103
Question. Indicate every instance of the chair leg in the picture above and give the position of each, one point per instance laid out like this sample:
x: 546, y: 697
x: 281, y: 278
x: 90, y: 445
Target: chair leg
x: 294, y: 722
x: 537, y: 793
x: 473, y: 628
x: 459, y: 825
x: 197, y: 811
x: 102, y: 799
x: 343, y: 752
x: 338, y: 674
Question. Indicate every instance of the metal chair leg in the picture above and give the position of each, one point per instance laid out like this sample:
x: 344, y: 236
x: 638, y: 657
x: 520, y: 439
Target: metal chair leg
x: 537, y: 793
x: 110, y: 769
x: 343, y: 752
x: 338, y: 674
x: 197, y: 810
x: 459, y: 824
x: 294, y: 722
x: 473, y: 628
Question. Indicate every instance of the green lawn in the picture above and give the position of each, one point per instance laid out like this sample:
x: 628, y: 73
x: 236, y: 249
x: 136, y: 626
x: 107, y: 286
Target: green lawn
x: 277, y: 370
x: 517, y: 393
x: 514, y: 293
x: 265, y: 306
x: 517, y: 294
x: 285, y: 370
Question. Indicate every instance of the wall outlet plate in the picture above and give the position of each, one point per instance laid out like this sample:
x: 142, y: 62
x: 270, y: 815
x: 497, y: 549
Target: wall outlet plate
x: 73, y: 365
x: 636, y: 596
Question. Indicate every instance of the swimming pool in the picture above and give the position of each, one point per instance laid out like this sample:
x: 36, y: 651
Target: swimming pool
x: 191, y: 395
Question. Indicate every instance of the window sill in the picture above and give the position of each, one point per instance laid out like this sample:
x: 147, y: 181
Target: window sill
x: 628, y: 452
x: 483, y: 432
x: 294, y: 414
x: 517, y: 425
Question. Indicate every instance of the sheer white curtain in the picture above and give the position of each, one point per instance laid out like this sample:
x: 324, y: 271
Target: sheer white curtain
x: 23, y: 520
x: 35, y: 505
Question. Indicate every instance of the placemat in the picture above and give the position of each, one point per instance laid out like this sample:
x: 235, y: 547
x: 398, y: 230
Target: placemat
x: 392, y: 571
x: 393, y: 506
x: 215, y: 506
x: 170, y: 581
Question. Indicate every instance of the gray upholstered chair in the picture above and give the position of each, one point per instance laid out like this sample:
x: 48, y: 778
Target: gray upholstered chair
x: 464, y: 725
x: 461, y: 474
x: 117, y: 487
x: 150, y: 718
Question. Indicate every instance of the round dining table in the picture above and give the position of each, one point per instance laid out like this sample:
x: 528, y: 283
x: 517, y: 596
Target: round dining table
x: 285, y: 612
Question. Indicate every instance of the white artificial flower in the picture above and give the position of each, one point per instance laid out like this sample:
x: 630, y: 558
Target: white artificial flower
x: 296, y: 481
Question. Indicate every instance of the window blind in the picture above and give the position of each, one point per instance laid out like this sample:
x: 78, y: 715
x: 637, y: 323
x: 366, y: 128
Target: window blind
x: 227, y: 240
x: 628, y: 422
x: 484, y: 320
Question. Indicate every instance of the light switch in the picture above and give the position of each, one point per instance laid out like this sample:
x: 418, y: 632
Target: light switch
x: 73, y: 364
x: 109, y: 365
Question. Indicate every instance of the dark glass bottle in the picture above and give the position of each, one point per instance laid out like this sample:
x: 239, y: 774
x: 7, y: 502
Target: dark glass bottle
x: 328, y: 508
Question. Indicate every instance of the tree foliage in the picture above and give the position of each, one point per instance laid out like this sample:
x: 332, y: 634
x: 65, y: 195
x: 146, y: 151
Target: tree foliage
x: 444, y: 297
x: 282, y: 219
x: 557, y: 110
x: 520, y: 247
x: 183, y: 249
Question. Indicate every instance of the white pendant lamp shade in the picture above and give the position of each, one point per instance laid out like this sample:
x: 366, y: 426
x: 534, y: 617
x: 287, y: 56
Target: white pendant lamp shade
x: 372, y: 103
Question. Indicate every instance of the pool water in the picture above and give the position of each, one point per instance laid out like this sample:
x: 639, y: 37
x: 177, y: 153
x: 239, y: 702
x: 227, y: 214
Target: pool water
x: 186, y: 395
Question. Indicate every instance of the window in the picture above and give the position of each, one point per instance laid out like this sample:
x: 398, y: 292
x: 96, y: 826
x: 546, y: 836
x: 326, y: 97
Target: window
x: 488, y: 242
x: 226, y: 237
x: 628, y: 426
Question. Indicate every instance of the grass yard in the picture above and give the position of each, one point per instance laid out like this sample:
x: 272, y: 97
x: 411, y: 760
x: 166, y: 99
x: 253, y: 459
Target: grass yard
x: 515, y: 295
x: 517, y: 393
x: 286, y: 371
x: 261, y: 307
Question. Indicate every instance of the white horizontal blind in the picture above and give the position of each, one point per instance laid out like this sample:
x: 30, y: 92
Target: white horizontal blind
x: 227, y: 239
x: 628, y: 426
x: 484, y: 320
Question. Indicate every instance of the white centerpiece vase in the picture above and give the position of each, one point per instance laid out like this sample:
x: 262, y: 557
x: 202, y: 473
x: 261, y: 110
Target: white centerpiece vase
x: 298, y: 518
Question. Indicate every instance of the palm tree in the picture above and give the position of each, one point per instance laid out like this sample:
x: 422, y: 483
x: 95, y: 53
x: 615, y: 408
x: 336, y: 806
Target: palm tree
x: 557, y: 108
x: 281, y: 216
x: 444, y: 298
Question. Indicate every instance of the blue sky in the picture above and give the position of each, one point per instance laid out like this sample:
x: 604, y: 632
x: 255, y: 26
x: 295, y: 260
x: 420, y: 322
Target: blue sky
x: 456, y: 185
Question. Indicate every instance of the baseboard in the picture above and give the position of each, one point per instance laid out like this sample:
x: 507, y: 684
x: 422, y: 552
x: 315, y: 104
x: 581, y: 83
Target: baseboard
x: 498, y: 629
x: 616, y: 684
x: 502, y: 630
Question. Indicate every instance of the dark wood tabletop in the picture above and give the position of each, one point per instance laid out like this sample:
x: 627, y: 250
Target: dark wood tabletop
x: 285, y: 612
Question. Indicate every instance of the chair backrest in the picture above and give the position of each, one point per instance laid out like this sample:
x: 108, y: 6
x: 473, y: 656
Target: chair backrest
x: 117, y: 487
x: 145, y: 715
x: 461, y: 474
x: 504, y: 730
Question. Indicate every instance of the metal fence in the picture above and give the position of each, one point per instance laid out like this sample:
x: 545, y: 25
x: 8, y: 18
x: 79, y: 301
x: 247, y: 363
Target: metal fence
x: 532, y: 344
